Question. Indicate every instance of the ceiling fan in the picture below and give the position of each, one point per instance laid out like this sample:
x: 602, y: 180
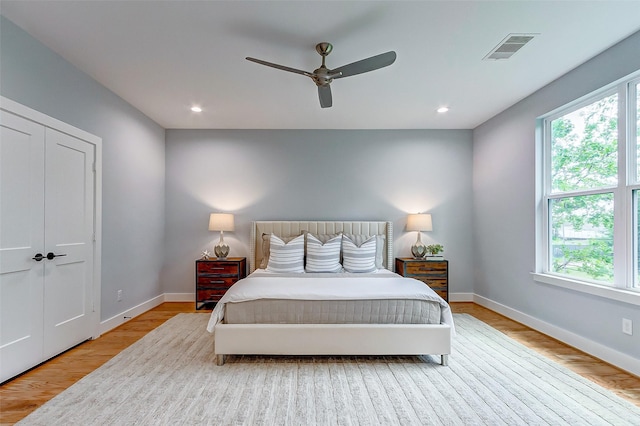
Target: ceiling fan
x: 323, y: 76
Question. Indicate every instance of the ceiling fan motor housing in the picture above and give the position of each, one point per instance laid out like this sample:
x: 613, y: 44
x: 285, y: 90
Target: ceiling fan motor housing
x: 323, y: 76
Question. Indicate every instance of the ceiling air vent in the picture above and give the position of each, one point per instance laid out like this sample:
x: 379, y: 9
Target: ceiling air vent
x: 510, y: 45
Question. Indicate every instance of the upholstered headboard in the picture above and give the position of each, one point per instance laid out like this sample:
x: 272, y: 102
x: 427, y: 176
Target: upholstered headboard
x: 294, y: 228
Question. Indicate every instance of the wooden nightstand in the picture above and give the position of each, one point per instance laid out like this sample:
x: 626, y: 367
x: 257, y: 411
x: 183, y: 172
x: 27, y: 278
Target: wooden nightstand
x: 215, y: 276
x: 434, y: 273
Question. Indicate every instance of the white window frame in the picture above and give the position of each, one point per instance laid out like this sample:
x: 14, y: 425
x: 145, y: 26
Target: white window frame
x: 633, y: 183
x: 625, y: 287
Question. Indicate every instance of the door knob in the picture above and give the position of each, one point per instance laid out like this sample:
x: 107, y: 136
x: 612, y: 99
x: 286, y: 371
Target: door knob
x: 50, y: 255
x: 38, y: 257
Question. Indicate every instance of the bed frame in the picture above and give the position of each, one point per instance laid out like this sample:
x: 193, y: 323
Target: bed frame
x: 329, y: 339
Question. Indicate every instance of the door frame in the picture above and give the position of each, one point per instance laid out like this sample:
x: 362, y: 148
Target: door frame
x: 16, y: 108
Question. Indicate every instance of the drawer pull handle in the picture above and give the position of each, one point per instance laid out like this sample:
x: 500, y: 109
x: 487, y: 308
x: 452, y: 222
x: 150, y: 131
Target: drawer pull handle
x: 217, y: 267
x: 216, y: 282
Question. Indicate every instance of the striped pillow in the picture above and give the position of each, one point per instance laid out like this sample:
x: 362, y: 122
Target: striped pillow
x: 359, y: 259
x: 286, y: 257
x: 323, y: 257
x: 358, y: 239
x: 266, y: 239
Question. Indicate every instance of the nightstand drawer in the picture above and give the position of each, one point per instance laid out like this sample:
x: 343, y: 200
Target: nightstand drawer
x: 222, y: 268
x: 211, y: 294
x: 426, y: 268
x: 433, y: 282
x: 212, y: 280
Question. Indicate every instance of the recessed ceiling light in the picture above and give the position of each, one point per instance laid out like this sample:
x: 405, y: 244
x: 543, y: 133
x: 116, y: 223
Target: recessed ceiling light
x: 443, y: 109
x: 196, y: 109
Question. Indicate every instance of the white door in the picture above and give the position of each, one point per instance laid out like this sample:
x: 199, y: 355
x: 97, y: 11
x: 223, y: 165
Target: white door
x: 21, y: 238
x: 47, y: 248
x: 69, y: 230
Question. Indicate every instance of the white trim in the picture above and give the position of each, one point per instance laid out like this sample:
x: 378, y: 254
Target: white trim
x: 614, y: 293
x: 97, y: 237
x: 616, y: 358
x: 179, y: 297
x: 461, y: 297
x: 121, y: 318
x: 47, y: 121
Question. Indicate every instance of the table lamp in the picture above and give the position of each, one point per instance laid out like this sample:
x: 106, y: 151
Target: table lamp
x: 221, y: 222
x: 419, y: 222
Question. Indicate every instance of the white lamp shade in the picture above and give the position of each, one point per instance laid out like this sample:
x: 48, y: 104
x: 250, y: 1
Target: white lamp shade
x: 221, y: 222
x: 419, y: 222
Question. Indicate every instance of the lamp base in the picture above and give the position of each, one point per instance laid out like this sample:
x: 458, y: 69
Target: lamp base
x: 221, y: 250
x: 418, y: 250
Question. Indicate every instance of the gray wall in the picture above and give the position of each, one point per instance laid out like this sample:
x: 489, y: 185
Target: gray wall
x: 133, y: 161
x: 504, y: 207
x: 316, y: 175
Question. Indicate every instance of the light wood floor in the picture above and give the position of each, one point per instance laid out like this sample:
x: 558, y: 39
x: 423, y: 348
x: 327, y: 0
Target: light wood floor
x: 24, y: 394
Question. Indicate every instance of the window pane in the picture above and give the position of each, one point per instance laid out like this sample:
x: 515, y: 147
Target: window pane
x: 582, y: 236
x: 638, y: 132
x: 584, y: 147
x: 636, y: 204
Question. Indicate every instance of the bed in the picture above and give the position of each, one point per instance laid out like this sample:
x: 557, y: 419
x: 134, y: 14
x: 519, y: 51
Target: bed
x: 360, y: 308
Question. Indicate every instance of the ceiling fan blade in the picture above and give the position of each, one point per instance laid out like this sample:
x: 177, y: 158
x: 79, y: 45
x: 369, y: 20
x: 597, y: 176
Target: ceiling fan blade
x: 280, y: 67
x: 324, y: 93
x: 366, y: 65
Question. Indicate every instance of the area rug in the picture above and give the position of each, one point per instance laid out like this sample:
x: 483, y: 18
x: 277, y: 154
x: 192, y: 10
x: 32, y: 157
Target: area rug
x: 169, y: 377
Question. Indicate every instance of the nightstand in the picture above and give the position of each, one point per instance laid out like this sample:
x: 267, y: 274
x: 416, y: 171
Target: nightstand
x: 215, y: 276
x: 434, y: 273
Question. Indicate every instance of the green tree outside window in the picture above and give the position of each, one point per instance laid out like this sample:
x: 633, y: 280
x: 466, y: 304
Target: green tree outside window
x: 584, y: 157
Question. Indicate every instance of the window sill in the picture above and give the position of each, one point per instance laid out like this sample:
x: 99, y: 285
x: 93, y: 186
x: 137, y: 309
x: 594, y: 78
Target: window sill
x: 621, y: 295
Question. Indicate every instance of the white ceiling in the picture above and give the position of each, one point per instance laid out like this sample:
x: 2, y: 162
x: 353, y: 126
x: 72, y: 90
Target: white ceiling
x: 164, y: 56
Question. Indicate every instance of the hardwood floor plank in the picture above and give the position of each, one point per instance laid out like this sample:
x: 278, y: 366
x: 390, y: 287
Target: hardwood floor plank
x: 27, y: 392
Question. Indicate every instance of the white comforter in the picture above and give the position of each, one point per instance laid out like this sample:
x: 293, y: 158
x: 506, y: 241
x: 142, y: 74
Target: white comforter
x: 383, y: 284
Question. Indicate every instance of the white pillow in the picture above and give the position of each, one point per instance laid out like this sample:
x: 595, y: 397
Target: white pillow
x: 358, y: 239
x: 266, y: 238
x: 359, y: 259
x: 286, y: 257
x: 323, y: 257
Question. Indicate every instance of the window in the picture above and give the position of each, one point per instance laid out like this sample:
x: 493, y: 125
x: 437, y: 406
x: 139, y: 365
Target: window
x: 590, y: 180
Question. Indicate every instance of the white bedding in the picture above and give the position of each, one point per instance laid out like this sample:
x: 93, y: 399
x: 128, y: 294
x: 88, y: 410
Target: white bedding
x: 382, y: 284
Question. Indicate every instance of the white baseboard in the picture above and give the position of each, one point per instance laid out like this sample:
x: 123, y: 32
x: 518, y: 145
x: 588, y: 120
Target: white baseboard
x: 121, y: 318
x: 179, y: 297
x: 125, y: 316
x: 618, y: 359
x: 461, y: 297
